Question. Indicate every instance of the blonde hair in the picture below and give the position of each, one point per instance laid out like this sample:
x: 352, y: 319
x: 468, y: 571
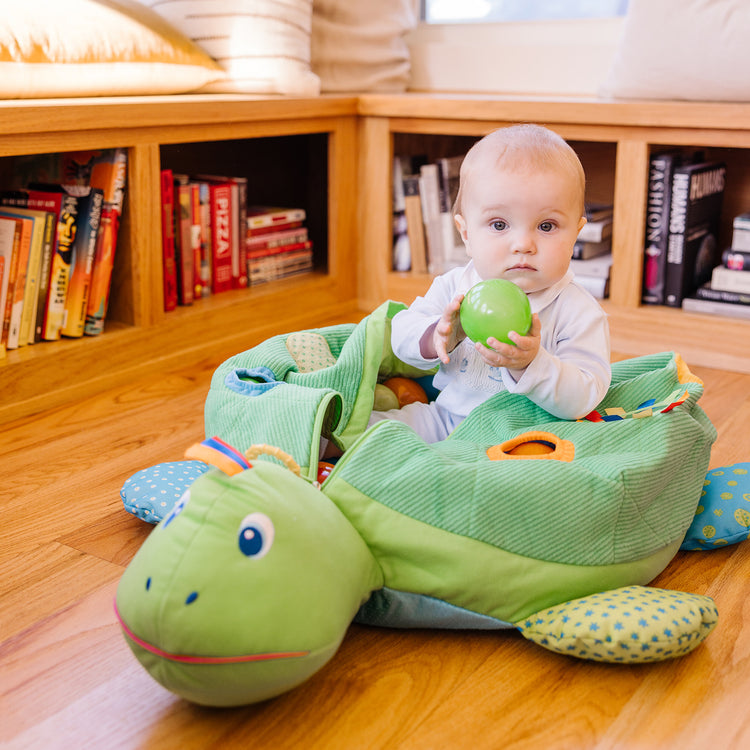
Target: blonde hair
x: 523, y: 146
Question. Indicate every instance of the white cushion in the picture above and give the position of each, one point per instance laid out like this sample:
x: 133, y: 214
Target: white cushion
x: 60, y: 48
x: 360, y: 46
x: 263, y: 45
x: 683, y: 49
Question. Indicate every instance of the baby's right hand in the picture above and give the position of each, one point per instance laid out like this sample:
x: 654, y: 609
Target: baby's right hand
x: 448, y: 332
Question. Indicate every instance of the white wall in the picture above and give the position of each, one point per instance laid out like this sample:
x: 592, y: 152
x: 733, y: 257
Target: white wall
x: 540, y: 58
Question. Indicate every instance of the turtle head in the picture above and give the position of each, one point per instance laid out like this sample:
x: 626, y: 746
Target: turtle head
x: 246, y: 588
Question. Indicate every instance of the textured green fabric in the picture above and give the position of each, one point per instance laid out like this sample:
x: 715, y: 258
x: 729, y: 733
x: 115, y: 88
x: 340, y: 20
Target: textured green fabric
x: 631, y: 490
x: 417, y: 557
x: 334, y: 402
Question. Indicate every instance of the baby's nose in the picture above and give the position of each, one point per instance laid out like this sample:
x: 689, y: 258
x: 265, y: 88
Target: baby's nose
x: 523, y: 242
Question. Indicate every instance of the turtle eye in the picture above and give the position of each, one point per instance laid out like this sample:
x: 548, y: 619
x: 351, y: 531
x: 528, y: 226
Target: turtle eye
x: 177, y: 509
x: 255, y: 535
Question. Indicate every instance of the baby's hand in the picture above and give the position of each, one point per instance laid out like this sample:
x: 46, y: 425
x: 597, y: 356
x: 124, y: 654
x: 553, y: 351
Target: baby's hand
x: 448, y: 332
x: 512, y: 357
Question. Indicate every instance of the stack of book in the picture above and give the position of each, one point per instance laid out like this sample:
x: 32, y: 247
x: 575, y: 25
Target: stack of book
x: 685, y: 195
x: 728, y: 291
x: 59, y: 222
x: 277, y: 243
x: 592, y: 252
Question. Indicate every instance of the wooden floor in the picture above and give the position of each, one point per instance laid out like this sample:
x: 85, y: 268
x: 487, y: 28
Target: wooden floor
x: 68, y: 679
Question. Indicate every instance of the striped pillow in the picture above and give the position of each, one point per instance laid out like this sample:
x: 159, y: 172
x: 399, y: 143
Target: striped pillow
x: 263, y: 45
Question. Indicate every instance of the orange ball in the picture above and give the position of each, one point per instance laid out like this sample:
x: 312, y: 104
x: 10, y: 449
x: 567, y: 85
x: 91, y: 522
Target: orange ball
x: 407, y: 390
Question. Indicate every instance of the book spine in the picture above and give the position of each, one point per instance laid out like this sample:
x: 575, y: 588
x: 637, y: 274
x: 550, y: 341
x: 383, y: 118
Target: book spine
x: 657, y: 228
x: 241, y: 280
x: 48, y: 249
x: 62, y: 262
x: 276, y: 239
x: 262, y: 218
x: 722, y: 295
x: 77, y: 299
x: 737, y: 260
x: 106, y: 244
x: 33, y: 269
x: 221, y: 237
x: 12, y: 272
x: 169, y: 267
x: 697, y: 191
x: 183, y: 240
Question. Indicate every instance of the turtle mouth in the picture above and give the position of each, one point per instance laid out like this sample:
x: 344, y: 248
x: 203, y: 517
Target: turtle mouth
x: 193, y: 659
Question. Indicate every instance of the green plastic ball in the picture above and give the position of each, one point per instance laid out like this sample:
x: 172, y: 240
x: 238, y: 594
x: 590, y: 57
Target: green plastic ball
x: 492, y: 309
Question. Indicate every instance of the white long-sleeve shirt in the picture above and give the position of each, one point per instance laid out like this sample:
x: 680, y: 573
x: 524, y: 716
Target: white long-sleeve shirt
x: 568, y: 377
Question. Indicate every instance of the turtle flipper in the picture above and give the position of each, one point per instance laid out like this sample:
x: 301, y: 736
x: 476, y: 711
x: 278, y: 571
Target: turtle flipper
x: 627, y: 625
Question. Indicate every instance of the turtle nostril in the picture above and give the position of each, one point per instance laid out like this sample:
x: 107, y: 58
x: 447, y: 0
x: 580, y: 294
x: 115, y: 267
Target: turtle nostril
x: 191, y: 597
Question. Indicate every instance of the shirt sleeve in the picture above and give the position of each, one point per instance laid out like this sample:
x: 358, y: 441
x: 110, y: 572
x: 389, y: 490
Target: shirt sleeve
x: 571, y: 375
x: 408, y: 326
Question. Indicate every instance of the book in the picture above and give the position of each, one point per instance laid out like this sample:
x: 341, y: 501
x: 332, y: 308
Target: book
x: 109, y: 174
x: 205, y: 237
x: 741, y: 232
x: 278, y: 263
x: 8, y: 239
x: 16, y: 275
x: 661, y: 166
x: 695, y: 209
x: 429, y: 194
x: 42, y: 232
x: 414, y: 224
x: 89, y: 213
x: 712, y: 307
x: 738, y: 260
x: 596, y: 211
x: 183, y: 240
x: 239, y: 219
x: 449, y: 170
x: 596, y: 231
x: 401, y: 259
x: 169, y: 263
x: 261, y: 219
x: 706, y: 291
x: 599, y: 266
x: 276, y: 239
x: 730, y: 280
x: 584, y: 250
x: 222, y: 232
x: 594, y: 285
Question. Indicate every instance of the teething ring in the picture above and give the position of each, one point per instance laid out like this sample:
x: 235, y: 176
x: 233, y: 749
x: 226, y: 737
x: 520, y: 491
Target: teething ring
x: 271, y: 450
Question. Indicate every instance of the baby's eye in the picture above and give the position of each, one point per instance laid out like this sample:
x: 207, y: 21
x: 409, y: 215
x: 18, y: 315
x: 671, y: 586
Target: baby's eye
x: 499, y: 225
x: 547, y: 226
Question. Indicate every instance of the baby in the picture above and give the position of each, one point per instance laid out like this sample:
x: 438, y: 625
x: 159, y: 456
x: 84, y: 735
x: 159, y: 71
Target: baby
x: 519, y: 209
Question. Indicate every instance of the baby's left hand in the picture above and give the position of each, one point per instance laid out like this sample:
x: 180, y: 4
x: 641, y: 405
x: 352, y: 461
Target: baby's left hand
x: 516, y: 357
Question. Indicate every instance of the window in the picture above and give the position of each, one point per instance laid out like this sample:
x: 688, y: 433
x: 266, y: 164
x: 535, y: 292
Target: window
x: 473, y: 11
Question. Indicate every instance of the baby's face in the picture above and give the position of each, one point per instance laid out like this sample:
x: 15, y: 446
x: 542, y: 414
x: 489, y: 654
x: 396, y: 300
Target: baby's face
x: 520, y: 225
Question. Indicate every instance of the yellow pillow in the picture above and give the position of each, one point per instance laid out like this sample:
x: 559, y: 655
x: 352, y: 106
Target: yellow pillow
x: 58, y: 48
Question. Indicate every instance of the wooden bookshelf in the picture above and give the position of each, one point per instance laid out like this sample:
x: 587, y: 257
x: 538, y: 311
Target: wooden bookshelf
x: 614, y: 141
x: 301, y: 149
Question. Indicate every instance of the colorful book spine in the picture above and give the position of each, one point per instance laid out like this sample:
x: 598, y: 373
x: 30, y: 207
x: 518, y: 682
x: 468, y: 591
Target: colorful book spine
x: 77, y: 299
x: 169, y: 265
x: 221, y: 236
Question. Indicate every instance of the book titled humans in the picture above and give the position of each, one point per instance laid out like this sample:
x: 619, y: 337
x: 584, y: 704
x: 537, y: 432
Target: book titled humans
x: 693, y: 249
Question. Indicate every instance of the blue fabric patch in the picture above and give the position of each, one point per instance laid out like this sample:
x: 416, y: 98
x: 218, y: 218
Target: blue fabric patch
x: 723, y: 513
x: 388, y: 608
x: 254, y: 381
x: 150, y: 494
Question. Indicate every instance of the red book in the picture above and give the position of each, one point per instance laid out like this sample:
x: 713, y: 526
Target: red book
x: 273, y: 218
x: 222, y: 233
x: 167, y: 240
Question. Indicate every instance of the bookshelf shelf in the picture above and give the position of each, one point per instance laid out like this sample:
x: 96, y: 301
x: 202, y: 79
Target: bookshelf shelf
x: 301, y: 150
x: 614, y: 141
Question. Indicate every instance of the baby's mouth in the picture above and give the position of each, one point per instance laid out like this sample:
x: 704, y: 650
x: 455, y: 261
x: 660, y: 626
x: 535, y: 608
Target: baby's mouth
x: 522, y: 267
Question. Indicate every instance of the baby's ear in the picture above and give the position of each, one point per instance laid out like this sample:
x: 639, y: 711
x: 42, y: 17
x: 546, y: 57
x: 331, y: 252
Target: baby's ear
x: 461, y: 226
x: 582, y: 222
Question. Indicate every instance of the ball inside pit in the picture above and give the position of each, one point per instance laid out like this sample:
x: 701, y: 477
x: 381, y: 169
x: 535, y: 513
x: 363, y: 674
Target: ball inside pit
x: 492, y: 309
